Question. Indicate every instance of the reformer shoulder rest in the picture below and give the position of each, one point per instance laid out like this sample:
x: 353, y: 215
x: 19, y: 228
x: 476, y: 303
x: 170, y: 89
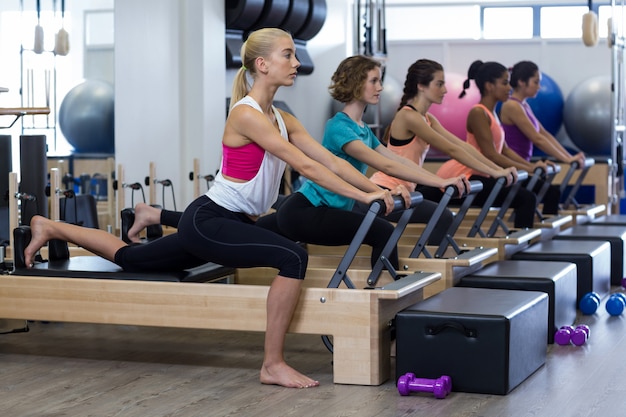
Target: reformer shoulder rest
x: 61, y: 264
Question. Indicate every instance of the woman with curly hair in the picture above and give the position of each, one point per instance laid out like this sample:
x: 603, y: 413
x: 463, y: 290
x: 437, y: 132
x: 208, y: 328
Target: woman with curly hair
x: 317, y: 215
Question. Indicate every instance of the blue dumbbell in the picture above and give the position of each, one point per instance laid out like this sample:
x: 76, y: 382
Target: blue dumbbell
x: 615, y: 304
x: 589, y: 303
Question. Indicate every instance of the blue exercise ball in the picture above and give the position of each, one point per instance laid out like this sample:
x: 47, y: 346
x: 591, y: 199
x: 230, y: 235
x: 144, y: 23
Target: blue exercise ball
x: 86, y: 117
x: 548, y: 104
x: 587, y: 116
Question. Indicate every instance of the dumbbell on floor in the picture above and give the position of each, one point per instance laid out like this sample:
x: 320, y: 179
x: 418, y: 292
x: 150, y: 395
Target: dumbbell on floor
x: 440, y: 387
x: 616, y: 303
x: 568, y: 334
x: 589, y: 303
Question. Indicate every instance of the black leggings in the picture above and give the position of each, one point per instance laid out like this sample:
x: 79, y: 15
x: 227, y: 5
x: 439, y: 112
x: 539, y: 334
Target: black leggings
x: 523, y: 204
x: 551, y: 199
x: 422, y: 213
x: 209, y: 233
x: 301, y: 221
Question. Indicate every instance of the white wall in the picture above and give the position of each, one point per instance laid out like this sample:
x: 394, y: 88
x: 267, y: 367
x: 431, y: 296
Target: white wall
x: 567, y: 62
x: 169, y: 72
x: 171, y: 82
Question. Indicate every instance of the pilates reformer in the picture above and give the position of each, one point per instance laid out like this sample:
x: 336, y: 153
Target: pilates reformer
x: 413, y: 252
x: 549, y: 226
x: 481, y: 217
x: 580, y: 213
x: 357, y: 317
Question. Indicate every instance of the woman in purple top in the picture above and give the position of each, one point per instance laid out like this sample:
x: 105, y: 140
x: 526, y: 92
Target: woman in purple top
x: 522, y: 129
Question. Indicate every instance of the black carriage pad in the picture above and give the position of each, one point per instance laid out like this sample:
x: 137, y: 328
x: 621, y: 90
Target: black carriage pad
x: 100, y: 268
x: 62, y: 265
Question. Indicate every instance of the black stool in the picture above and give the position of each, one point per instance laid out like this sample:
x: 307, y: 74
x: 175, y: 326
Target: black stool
x: 592, y: 259
x: 488, y: 341
x: 557, y: 279
x: 615, y: 235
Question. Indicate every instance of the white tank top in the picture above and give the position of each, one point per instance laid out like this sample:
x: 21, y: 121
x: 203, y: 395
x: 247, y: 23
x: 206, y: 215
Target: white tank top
x: 254, y: 197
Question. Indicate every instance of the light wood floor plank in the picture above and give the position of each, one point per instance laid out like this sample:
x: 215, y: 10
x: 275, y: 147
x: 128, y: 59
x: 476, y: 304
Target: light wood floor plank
x: 105, y: 370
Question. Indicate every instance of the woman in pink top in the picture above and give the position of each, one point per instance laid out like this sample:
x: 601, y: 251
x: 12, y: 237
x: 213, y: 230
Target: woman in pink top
x: 220, y: 226
x: 485, y: 133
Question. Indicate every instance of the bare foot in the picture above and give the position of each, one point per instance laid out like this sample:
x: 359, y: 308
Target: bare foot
x: 284, y: 375
x: 145, y: 215
x: 40, y: 228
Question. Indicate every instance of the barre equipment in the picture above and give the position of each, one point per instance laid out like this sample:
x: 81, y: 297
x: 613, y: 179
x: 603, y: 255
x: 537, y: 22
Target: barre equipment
x: 165, y: 183
x: 18, y: 112
x: 440, y: 387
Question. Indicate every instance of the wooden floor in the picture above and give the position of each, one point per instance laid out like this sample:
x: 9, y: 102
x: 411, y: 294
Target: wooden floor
x: 65, y: 369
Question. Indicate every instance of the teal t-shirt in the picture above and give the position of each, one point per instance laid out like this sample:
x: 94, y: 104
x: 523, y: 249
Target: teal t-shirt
x: 339, y: 131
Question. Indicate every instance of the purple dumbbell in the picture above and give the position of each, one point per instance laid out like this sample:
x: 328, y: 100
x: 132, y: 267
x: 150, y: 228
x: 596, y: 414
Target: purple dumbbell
x: 566, y: 334
x: 563, y: 336
x: 580, y: 335
x: 440, y: 387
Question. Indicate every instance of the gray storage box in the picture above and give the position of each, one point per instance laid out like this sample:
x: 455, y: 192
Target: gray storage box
x: 487, y: 340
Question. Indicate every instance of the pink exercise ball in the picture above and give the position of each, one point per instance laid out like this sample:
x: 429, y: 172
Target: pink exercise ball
x: 452, y: 112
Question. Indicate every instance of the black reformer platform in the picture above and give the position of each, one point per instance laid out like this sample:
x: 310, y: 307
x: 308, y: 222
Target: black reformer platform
x: 60, y: 264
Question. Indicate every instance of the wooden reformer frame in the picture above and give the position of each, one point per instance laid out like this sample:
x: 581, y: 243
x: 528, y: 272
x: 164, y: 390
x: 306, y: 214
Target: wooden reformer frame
x: 357, y: 319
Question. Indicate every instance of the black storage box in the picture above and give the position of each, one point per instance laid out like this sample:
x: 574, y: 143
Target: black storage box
x: 592, y: 259
x: 487, y: 340
x: 557, y: 279
x: 615, y: 235
x: 610, y: 219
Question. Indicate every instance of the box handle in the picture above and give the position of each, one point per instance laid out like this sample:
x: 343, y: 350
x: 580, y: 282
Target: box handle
x: 435, y: 330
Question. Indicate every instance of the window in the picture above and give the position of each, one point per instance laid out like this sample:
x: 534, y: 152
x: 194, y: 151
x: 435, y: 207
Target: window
x: 432, y: 22
x: 508, y: 23
x: 562, y: 22
x: 604, y: 13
